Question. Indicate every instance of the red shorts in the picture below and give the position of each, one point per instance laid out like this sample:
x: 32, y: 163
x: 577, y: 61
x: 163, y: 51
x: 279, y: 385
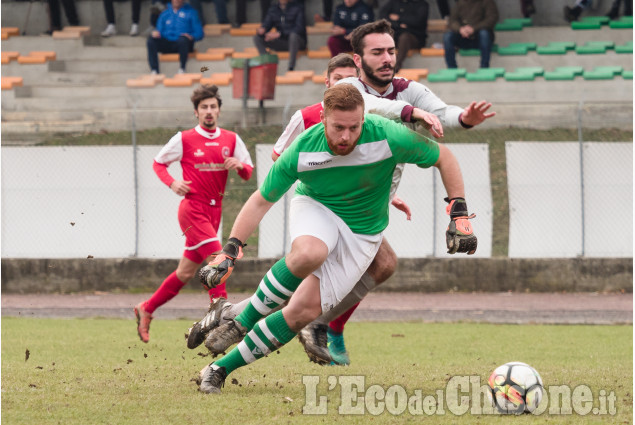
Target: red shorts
x: 199, y: 223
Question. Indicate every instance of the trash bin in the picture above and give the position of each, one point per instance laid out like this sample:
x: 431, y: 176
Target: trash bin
x: 261, y: 76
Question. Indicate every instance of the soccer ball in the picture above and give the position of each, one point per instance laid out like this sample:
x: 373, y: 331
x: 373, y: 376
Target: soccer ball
x: 515, y: 387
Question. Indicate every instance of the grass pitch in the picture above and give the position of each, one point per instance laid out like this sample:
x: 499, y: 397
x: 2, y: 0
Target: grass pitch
x: 76, y: 371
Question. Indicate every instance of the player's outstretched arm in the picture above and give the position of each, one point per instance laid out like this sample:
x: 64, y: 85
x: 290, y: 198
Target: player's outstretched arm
x: 460, y: 233
x: 475, y: 113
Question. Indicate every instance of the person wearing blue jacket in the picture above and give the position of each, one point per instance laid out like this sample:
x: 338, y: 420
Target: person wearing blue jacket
x: 348, y: 16
x: 287, y: 17
x: 177, y: 29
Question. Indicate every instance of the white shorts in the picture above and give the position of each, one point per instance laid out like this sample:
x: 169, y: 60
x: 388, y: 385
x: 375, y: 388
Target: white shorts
x: 350, y: 253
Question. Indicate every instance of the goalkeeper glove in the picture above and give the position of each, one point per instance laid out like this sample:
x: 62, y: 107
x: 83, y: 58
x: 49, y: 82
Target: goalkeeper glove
x: 219, y: 269
x: 459, y: 236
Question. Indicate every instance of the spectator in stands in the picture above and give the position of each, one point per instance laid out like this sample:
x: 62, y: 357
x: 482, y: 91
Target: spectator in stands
x: 327, y: 12
x: 178, y: 27
x: 287, y: 17
x: 409, y: 21
x: 527, y: 8
x: 110, y: 17
x: 573, y: 13
x: 348, y: 16
x: 56, y: 17
x: 614, y: 12
x: 444, y: 9
x: 219, y: 5
x: 471, y: 26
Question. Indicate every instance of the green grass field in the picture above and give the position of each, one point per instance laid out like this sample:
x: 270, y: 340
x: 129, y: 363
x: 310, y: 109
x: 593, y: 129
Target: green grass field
x: 97, y: 372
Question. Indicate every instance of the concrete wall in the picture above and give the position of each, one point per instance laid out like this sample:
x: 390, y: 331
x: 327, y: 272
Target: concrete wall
x: 32, y: 16
x: 417, y: 275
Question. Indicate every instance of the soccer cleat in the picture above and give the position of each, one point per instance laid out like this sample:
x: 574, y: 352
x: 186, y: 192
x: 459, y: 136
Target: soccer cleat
x: 197, y: 333
x: 227, y: 334
x: 143, y: 322
x: 212, y: 379
x: 109, y: 31
x: 314, y: 340
x: 337, y: 349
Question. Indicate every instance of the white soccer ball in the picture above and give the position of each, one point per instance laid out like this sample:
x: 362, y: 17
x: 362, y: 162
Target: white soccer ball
x: 515, y: 387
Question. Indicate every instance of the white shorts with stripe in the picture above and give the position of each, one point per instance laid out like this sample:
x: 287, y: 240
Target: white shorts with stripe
x: 350, y: 253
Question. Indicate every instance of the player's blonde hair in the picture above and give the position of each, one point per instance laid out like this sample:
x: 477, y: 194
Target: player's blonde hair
x: 343, y: 97
x: 205, y: 92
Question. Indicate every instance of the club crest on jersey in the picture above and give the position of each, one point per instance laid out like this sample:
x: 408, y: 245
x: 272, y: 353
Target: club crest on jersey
x: 225, y: 152
x: 199, y: 153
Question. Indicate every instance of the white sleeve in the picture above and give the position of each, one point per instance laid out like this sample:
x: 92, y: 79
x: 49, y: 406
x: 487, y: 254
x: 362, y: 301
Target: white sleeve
x: 422, y: 97
x: 241, y: 153
x: 396, y: 179
x: 387, y: 108
x: 172, y: 151
x: 291, y: 131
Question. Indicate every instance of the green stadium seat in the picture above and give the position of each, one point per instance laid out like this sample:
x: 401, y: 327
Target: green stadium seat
x: 604, y: 20
x: 513, y: 49
x: 591, y: 49
x: 469, y: 52
x: 447, y: 75
x: 625, y: 48
x: 616, y: 70
x: 520, y: 76
x: 627, y: 75
x: 621, y: 24
x: 599, y: 74
x: 556, y: 48
x: 576, y: 70
x: 536, y: 70
x: 485, y: 74
x: 585, y: 25
x: 508, y: 26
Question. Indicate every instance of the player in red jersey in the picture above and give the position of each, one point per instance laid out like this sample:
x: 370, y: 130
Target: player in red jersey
x: 207, y: 153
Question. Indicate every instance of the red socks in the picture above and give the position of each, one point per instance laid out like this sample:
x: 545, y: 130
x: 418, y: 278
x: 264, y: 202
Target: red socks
x: 337, y: 325
x: 168, y: 290
x: 217, y: 292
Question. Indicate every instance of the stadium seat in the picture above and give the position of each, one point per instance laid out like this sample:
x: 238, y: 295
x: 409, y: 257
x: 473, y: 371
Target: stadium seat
x: 318, y: 78
x: 622, y: 23
x: 216, y: 29
x: 586, y: 25
x: 8, y: 32
x: 248, y: 52
x: 555, y: 48
x: 414, y: 74
x: 285, y: 55
x: 469, y: 52
x: 485, y: 74
x: 627, y: 75
x: 437, y: 25
x: 431, y: 52
x: 446, y: 75
x: 594, y: 47
x: 624, y: 48
x: 218, y: 79
x: 173, y: 57
x: 528, y: 73
x: 10, y: 82
x: 322, y: 52
x: 320, y: 28
x: 7, y: 57
x: 564, y: 73
x: 290, y: 79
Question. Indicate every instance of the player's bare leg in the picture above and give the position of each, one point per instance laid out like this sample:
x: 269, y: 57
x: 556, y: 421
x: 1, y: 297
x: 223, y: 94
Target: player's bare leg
x: 316, y: 336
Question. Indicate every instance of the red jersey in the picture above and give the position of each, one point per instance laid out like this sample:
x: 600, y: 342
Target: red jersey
x: 300, y: 121
x: 202, y: 155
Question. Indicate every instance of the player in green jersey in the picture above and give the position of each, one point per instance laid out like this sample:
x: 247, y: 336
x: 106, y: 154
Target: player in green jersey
x: 340, y: 209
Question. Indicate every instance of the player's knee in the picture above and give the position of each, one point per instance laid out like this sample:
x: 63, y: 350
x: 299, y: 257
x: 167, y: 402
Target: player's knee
x: 298, y: 315
x: 306, y: 255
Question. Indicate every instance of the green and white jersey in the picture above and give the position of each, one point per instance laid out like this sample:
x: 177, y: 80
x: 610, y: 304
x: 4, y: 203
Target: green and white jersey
x: 356, y: 186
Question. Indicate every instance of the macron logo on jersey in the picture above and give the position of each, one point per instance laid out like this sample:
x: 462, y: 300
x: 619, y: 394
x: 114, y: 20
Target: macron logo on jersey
x: 366, y: 153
